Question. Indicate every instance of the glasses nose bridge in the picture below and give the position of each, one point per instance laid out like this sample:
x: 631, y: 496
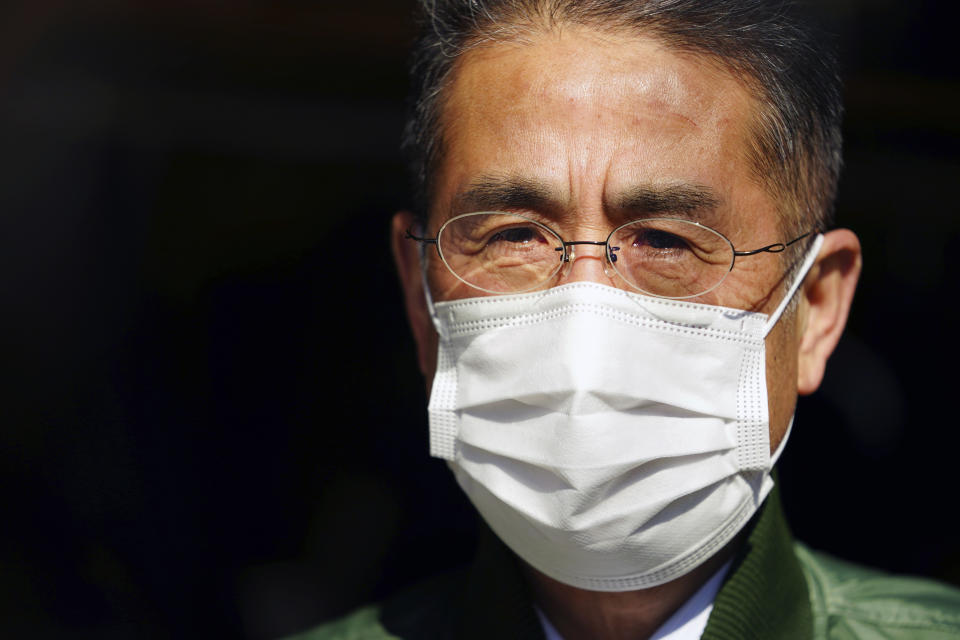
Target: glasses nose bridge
x: 570, y: 251
x: 586, y: 272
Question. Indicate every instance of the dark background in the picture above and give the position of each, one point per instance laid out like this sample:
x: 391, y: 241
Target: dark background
x: 214, y: 425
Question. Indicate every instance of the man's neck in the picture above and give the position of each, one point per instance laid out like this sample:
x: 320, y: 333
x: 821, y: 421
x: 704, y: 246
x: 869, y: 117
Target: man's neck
x: 578, y: 614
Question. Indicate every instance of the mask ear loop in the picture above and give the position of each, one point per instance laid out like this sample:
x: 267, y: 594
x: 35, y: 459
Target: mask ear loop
x: 812, y: 253
x: 808, y: 261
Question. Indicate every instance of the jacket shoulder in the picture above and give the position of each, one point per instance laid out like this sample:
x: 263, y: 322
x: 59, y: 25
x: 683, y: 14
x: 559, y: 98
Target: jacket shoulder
x: 854, y: 602
x: 362, y: 624
x: 419, y: 612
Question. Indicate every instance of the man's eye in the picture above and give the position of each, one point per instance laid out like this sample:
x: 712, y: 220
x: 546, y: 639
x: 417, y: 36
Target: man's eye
x: 656, y: 239
x: 520, y: 235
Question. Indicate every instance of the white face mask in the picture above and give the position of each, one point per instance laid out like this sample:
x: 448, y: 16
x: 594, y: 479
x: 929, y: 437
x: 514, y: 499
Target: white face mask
x: 614, y: 441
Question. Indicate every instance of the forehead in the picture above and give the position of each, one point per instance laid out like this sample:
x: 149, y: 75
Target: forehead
x: 590, y: 116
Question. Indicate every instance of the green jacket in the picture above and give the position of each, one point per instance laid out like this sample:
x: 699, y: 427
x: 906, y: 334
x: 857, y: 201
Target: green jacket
x: 776, y: 590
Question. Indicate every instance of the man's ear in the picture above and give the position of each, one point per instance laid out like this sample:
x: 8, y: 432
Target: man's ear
x: 406, y: 253
x: 828, y: 294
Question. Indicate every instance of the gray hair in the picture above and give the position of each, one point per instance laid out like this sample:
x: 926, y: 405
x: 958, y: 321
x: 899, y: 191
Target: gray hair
x: 796, y: 152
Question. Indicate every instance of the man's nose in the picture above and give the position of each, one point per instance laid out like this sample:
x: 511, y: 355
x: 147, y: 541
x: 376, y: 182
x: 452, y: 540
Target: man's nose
x: 587, y: 263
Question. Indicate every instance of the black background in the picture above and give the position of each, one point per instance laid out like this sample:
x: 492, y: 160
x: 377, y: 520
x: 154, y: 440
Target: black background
x: 214, y: 424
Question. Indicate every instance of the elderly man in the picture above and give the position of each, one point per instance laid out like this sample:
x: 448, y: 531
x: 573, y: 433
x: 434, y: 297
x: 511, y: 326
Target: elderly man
x: 620, y: 279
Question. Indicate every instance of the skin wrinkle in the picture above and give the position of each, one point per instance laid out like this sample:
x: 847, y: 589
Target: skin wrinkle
x: 667, y: 88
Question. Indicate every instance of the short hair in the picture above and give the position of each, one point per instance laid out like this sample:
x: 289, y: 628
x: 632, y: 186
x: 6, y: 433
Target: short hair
x: 782, y: 59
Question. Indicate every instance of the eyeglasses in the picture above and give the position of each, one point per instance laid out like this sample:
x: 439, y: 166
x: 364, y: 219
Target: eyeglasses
x: 664, y: 257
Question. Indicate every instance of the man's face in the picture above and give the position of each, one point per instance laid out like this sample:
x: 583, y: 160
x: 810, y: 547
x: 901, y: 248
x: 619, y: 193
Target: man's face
x: 572, y: 126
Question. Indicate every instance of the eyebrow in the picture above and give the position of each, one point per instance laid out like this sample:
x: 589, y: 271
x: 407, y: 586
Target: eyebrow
x: 500, y: 193
x: 497, y: 193
x: 693, y: 201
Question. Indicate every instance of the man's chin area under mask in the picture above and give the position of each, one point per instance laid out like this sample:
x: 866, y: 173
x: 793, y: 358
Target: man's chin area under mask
x: 617, y: 608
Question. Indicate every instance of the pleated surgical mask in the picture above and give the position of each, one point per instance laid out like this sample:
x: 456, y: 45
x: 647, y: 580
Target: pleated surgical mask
x: 612, y: 440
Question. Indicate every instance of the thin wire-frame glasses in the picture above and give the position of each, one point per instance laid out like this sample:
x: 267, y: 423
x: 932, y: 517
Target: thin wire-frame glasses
x: 502, y: 253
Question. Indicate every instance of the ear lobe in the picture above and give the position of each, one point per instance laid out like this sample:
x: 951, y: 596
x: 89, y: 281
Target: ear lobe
x: 406, y: 254
x: 828, y: 293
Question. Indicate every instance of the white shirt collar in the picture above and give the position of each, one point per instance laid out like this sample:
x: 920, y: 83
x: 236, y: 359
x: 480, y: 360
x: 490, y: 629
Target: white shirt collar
x: 686, y: 623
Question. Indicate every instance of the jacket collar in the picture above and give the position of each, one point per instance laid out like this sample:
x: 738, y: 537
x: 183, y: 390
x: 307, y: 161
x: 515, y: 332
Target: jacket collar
x: 765, y: 594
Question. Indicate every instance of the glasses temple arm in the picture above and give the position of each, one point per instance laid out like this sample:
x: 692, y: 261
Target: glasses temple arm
x: 776, y: 247
x: 410, y: 236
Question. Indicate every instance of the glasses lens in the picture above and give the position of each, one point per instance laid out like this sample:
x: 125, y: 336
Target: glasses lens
x: 669, y: 257
x: 500, y: 252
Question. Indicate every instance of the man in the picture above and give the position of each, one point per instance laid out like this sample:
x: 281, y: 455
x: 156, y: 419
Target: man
x: 620, y: 280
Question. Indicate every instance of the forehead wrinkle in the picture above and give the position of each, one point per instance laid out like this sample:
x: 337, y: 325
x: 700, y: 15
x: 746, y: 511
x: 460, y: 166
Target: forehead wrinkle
x: 673, y: 107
